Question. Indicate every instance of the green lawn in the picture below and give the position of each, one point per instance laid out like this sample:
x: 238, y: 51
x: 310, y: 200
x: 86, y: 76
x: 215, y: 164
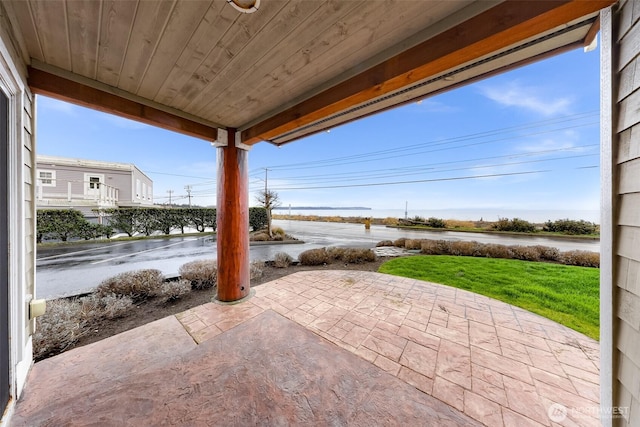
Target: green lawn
x: 565, y: 294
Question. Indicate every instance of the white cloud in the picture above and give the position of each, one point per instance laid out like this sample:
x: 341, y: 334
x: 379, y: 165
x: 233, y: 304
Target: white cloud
x: 515, y: 94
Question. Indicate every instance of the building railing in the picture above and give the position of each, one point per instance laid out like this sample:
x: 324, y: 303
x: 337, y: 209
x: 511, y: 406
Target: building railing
x: 95, y: 193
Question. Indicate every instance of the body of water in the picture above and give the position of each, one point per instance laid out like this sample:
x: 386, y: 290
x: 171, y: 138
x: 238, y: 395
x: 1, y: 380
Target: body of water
x: 488, y: 214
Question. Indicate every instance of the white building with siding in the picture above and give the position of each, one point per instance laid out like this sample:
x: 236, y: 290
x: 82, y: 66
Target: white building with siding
x: 87, y: 185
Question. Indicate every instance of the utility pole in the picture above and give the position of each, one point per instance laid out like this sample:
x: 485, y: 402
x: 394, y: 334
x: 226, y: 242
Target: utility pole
x: 188, y: 188
x: 406, y: 206
x: 266, y: 171
x: 170, y: 193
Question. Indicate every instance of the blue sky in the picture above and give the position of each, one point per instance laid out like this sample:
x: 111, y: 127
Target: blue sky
x: 527, y: 139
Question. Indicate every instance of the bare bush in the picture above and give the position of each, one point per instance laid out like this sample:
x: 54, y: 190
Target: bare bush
x: 548, y: 253
x: 358, y: 255
x: 282, y: 260
x: 492, y: 250
x: 334, y: 253
x: 174, y: 290
x: 139, y: 285
x: 461, y: 248
x: 111, y: 306
x: 580, y: 258
x: 434, y: 247
x: 314, y: 257
x: 261, y: 236
x: 256, y: 269
x: 202, y: 274
x: 384, y: 243
x: 525, y: 253
x: 413, y: 244
x: 59, y: 328
x: 399, y: 242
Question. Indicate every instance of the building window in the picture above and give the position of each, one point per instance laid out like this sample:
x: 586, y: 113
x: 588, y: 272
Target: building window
x: 144, y: 190
x: 149, y: 192
x: 47, y: 178
x: 94, y: 183
x: 137, y: 188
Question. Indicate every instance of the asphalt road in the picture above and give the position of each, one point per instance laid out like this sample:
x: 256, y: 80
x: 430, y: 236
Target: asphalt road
x: 75, y: 269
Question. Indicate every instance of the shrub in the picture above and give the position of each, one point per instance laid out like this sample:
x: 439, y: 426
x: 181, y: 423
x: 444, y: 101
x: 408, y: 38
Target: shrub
x: 384, y: 243
x: 358, y: 255
x: 314, y: 257
x: 462, y: 248
x: 256, y: 269
x: 138, y: 285
x: 580, y: 258
x: 417, y: 218
x: 59, y: 328
x: 434, y: 247
x: 390, y: 221
x: 526, y: 253
x: 277, y: 231
x: 282, y: 260
x: 413, y: 244
x: 493, y: 250
x: 568, y: 226
x: 399, y: 242
x: 258, y: 218
x: 202, y: 274
x: 436, y: 222
x: 515, y: 224
x: 548, y: 253
x: 174, y: 290
x: 109, y: 306
x: 261, y: 236
x: 334, y: 253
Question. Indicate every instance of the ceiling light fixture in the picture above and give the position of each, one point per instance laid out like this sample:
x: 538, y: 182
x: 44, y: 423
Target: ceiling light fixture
x: 245, y: 6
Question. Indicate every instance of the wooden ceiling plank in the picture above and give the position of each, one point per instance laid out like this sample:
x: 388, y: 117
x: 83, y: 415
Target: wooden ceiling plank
x: 215, y: 23
x: 150, y: 21
x: 238, y: 70
x: 324, y: 35
x: 303, y: 76
x: 22, y: 12
x: 244, y: 29
x: 499, y: 27
x: 320, y: 34
x: 49, y: 17
x: 186, y: 18
x: 47, y: 84
x: 83, y: 36
x: 115, y: 29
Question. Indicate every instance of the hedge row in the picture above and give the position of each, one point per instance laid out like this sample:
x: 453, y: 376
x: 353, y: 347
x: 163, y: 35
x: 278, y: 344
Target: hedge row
x: 63, y: 224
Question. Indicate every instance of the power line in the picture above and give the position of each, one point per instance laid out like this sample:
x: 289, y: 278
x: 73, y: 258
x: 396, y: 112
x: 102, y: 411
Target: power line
x: 425, y: 180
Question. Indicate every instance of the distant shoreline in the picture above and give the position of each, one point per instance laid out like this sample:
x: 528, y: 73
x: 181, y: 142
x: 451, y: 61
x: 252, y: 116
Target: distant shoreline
x: 322, y: 208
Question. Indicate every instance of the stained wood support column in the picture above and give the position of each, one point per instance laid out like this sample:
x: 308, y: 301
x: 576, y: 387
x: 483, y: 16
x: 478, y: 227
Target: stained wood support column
x: 232, y: 217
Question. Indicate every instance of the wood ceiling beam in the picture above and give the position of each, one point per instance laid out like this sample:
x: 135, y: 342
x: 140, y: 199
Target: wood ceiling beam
x: 506, y: 24
x: 53, y: 86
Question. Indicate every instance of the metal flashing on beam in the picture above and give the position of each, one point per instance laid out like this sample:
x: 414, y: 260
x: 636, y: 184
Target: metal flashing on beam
x: 223, y: 138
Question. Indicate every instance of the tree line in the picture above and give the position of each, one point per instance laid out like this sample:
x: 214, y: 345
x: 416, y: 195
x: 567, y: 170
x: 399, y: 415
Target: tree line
x: 66, y: 224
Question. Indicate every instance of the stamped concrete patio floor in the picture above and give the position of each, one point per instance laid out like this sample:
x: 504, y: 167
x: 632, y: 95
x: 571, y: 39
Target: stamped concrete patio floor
x: 327, y: 348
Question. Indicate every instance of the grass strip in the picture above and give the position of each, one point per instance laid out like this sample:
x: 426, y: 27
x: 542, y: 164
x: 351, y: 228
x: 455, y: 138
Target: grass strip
x: 565, y: 294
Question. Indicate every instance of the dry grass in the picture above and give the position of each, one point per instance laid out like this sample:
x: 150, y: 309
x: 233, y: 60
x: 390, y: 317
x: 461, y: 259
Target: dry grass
x: 256, y: 269
x: 454, y: 223
x: 174, y: 290
x: 580, y: 258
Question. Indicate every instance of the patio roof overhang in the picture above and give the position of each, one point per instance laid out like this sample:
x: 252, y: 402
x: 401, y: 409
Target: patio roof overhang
x: 288, y: 70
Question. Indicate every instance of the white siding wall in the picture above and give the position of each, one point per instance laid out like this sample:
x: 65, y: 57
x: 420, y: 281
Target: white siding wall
x: 623, y: 26
x: 21, y: 207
